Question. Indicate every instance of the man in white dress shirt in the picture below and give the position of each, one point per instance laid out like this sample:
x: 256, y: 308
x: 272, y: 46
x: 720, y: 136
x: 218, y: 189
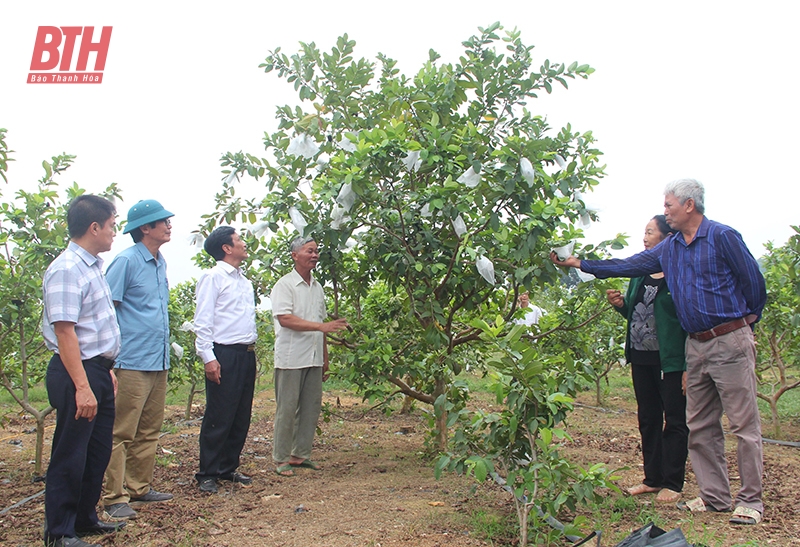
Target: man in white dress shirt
x: 225, y: 325
x: 301, y: 358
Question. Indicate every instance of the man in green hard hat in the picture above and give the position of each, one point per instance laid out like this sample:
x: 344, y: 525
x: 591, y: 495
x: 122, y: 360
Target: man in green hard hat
x: 140, y: 291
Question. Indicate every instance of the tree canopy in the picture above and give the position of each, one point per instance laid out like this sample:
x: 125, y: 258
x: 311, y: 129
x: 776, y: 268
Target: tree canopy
x: 434, y: 198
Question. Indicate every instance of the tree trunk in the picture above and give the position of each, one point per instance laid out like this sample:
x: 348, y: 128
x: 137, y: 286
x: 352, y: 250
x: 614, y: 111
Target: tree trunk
x: 776, y: 423
x: 598, y: 390
x: 440, y: 388
x: 408, y: 402
x: 37, y: 469
x: 187, y: 414
x: 523, y: 526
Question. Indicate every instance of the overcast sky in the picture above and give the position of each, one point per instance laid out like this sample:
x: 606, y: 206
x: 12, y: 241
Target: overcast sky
x: 681, y: 89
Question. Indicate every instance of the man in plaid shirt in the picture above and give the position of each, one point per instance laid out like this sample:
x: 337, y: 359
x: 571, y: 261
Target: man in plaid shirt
x: 80, y: 327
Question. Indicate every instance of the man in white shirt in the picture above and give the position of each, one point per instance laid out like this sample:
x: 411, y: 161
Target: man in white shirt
x: 225, y: 325
x: 301, y: 358
x: 532, y: 313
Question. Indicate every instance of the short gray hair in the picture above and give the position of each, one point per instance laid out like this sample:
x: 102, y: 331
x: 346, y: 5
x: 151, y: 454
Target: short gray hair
x: 684, y: 189
x: 298, y: 242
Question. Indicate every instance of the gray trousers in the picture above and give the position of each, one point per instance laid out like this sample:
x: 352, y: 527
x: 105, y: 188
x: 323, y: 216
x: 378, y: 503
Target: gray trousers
x: 721, y: 377
x: 298, y: 395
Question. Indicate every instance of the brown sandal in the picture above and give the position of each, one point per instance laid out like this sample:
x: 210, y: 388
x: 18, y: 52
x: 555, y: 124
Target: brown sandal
x: 668, y: 496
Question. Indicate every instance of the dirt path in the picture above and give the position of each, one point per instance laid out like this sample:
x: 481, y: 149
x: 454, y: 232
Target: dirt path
x: 376, y: 489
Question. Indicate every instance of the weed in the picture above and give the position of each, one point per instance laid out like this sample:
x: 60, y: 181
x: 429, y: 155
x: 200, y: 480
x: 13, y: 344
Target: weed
x: 169, y: 428
x: 165, y: 460
x: 491, y: 526
x: 703, y: 537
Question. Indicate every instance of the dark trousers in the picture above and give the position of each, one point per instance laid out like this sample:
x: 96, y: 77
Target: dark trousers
x: 81, y: 449
x: 662, y: 425
x: 228, y: 408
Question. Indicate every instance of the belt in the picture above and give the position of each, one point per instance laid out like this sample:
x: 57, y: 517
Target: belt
x: 237, y: 347
x: 104, y: 362
x: 724, y: 328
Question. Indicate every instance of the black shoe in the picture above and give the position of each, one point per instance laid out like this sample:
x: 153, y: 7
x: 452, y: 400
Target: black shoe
x: 152, y: 495
x: 120, y: 511
x: 237, y: 477
x: 209, y: 486
x: 100, y: 528
x: 69, y: 542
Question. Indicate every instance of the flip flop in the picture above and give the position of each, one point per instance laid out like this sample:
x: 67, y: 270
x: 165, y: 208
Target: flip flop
x: 745, y: 515
x: 285, y: 470
x: 308, y: 464
x: 697, y: 505
x: 668, y: 496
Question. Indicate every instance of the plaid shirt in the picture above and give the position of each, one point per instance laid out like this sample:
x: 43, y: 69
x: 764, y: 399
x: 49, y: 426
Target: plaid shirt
x: 76, y: 291
x: 713, y: 280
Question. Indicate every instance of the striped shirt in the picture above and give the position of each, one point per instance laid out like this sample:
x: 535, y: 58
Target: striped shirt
x: 76, y: 291
x: 713, y: 280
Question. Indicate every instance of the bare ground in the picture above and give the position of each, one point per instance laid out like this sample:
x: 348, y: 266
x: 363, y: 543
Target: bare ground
x: 377, y: 488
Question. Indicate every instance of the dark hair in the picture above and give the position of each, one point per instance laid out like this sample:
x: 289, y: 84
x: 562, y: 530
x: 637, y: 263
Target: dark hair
x: 216, y: 239
x: 137, y: 234
x: 663, y: 227
x: 85, y: 210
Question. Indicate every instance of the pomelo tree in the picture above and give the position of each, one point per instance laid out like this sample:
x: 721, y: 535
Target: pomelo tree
x: 33, y: 232
x: 778, y: 332
x: 435, y: 198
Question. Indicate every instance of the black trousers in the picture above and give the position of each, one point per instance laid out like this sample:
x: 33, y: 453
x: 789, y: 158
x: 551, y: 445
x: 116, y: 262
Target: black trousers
x: 81, y: 449
x: 662, y: 425
x: 228, y: 408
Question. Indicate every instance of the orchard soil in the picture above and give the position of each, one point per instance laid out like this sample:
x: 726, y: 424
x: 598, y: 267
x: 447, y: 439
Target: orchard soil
x: 377, y: 487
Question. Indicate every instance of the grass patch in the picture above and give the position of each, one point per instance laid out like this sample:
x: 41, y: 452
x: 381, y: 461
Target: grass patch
x: 614, y: 510
x: 703, y: 536
x: 788, y: 404
x: 37, y: 396
x: 491, y: 526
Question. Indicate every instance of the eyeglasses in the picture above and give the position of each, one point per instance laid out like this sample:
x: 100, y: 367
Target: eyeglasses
x: 167, y: 222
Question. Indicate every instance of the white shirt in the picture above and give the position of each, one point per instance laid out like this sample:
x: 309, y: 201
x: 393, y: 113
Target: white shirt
x: 531, y: 317
x: 226, y: 310
x: 291, y: 295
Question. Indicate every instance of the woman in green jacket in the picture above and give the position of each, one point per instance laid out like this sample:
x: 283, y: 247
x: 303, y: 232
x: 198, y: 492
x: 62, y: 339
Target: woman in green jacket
x: 655, y: 349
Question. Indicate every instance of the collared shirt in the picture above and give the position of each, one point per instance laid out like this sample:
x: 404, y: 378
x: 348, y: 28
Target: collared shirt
x: 138, y: 282
x: 531, y: 317
x: 226, y: 310
x: 291, y: 295
x: 713, y: 280
x: 75, y: 291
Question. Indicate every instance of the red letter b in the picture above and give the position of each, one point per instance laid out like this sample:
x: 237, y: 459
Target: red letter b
x: 42, y: 46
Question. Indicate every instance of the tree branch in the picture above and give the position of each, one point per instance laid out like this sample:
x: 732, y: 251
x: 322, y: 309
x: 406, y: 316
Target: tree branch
x: 405, y: 389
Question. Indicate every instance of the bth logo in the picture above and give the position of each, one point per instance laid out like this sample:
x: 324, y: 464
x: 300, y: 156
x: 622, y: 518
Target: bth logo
x: 53, y: 54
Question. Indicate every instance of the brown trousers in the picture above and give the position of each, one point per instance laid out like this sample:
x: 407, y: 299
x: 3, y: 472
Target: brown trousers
x: 140, y: 412
x: 720, y: 376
